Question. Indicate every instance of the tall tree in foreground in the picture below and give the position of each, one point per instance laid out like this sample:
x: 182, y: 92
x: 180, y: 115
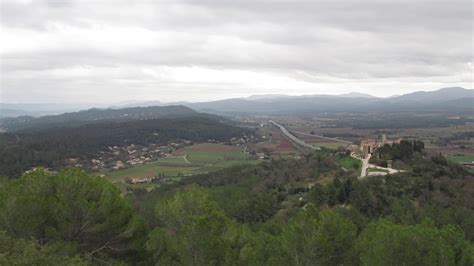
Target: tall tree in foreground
x: 82, y: 213
x: 319, y: 238
x: 386, y: 243
x: 192, y: 230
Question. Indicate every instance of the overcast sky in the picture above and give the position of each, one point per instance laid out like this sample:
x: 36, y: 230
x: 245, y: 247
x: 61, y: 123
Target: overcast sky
x: 115, y: 51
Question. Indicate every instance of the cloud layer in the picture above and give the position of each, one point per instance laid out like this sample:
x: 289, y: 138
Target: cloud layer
x: 109, y: 51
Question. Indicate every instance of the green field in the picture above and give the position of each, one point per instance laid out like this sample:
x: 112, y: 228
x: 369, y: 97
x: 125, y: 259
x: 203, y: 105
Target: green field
x: 461, y: 158
x: 198, y: 162
x: 205, y: 157
x: 351, y: 163
x: 151, y: 170
x: 173, y: 160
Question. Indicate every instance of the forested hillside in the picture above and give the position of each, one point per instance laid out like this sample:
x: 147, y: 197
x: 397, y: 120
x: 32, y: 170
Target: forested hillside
x: 95, y: 115
x: 284, y: 212
x: 21, y: 150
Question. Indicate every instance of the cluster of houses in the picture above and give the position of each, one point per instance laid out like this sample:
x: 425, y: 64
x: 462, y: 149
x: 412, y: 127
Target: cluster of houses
x: 116, y: 158
x: 237, y: 142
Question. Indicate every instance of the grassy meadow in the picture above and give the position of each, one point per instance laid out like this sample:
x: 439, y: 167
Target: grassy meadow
x: 461, y: 158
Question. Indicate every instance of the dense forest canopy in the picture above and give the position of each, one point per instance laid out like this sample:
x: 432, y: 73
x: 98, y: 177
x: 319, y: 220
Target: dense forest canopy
x: 284, y: 212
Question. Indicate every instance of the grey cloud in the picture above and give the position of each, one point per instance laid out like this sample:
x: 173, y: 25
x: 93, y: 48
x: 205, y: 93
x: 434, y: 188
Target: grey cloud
x: 360, y: 41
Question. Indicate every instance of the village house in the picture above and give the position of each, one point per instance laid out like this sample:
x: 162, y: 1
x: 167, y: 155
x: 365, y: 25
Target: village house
x: 368, y: 146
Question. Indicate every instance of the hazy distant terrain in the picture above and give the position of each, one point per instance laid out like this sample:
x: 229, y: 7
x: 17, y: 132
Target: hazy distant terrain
x: 446, y: 101
x: 41, y: 109
x: 455, y: 100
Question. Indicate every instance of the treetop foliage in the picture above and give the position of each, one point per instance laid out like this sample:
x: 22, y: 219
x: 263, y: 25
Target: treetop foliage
x: 84, y: 213
x: 285, y: 212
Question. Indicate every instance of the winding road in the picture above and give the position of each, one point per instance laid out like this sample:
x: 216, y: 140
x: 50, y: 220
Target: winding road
x: 366, y: 165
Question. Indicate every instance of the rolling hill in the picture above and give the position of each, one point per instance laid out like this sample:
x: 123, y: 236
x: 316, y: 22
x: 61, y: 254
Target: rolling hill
x: 95, y: 115
x: 446, y: 100
x: 441, y: 95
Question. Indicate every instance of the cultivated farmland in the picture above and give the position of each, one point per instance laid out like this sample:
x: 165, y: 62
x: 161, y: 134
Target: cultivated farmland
x: 196, y: 159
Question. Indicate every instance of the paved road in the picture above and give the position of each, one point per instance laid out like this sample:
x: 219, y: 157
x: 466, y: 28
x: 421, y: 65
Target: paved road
x: 366, y: 165
x: 383, y: 169
x: 322, y: 137
x: 292, y: 137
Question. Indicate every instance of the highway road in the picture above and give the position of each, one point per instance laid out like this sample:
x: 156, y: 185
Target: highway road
x: 322, y: 137
x: 293, y: 138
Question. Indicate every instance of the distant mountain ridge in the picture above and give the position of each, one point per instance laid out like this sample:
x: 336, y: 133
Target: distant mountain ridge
x: 96, y: 114
x: 453, y: 99
x: 421, y: 101
x: 270, y: 97
x: 444, y: 94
